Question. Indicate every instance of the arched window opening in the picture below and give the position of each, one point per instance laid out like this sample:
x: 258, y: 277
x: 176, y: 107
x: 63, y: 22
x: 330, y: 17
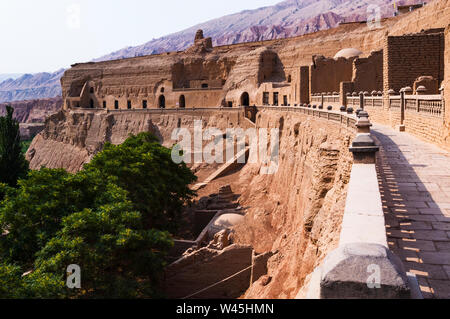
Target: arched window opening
x: 162, y: 90
x: 182, y: 102
x: 245, y: 99
x: 162, y: 102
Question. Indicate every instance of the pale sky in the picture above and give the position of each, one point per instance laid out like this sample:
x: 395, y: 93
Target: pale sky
x: 46, y: 35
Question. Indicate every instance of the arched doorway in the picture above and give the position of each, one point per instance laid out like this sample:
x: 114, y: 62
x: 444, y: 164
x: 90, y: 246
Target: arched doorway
x: 245, y: 99
x: 162, y: 102
x: 182, y: 103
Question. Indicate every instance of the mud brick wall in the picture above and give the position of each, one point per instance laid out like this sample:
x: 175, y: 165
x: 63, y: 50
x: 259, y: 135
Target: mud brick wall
x: 410, y: 56
x: 368, y: 73
x: 327, y: 74
x: 378, y: 114
x: 304, y: 84
x: 428, y: 128
x: 446, y: 84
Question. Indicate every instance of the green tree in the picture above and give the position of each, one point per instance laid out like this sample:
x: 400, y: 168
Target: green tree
x: 157, y: 187
x: 13, y: 164
x: 112, y: 219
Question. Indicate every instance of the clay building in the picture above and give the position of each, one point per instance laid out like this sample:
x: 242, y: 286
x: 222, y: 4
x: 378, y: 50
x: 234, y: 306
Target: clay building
x: 203, y: 77
x: 326, y: 68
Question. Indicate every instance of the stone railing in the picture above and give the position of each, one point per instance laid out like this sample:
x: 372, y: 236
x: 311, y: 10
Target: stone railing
x: 362, y: 266
x: 374, y: 101
x: 395, y: 102
x: 326, y: 99
x: 196, y: 89
x: 353, y: 101
x: 427, y: 104
x: 177, y: 110
x: 346, y: 119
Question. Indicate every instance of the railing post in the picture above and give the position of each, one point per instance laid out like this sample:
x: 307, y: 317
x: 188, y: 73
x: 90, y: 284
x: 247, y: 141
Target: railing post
x: 361, y: 100
x: 402, y: 111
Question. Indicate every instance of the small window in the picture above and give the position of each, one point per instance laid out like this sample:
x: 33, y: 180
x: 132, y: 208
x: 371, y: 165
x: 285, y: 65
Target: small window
x: 162, y: 90
x: 91, y: 103
x: 204, y: 85
x: 266, y: 98
x: 129, y: 105
x: 104, y: 104
x: 275, y: 98
x: 91, y: 90
x: 289, y: 79
x: 230, y: 104
x: 116, y: 104
x: 144, y: 104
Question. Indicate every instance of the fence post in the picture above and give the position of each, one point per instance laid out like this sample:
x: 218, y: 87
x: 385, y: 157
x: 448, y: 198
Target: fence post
x: 402, y: 110
x: 361, y: 100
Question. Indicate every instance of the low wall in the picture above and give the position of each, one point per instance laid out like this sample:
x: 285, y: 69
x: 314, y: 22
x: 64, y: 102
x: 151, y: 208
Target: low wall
x: 426, y: 120
x: 362, y: 266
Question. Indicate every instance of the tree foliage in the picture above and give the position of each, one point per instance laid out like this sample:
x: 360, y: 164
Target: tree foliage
x: 112, y: 219
x: 157, y: 186
x: 13, y: 164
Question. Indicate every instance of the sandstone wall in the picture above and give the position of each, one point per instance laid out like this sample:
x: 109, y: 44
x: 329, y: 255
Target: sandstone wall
x: 297, y: 212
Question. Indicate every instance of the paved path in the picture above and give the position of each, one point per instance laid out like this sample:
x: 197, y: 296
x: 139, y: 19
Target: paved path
x: 415, y: 187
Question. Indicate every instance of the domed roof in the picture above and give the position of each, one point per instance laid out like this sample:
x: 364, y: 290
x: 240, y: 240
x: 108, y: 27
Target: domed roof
x: 348, y: 53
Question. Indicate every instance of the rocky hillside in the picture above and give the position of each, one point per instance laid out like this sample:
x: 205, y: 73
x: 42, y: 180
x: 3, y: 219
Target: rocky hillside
x: 286, y: 19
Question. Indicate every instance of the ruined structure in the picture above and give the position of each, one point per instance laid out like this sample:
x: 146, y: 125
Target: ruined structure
x: 308, y: 87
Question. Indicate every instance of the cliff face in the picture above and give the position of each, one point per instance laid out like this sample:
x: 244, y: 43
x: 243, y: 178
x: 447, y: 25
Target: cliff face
x: 33, y: 111
x: 297, y: 212
x: 71, y: 139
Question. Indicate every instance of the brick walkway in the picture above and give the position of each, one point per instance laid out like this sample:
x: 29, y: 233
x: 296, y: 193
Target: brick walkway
x: 415, y: 187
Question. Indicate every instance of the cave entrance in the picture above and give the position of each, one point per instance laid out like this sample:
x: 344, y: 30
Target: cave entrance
x: 162, y: 102
x: 245, y: 99
x: 182, y: 102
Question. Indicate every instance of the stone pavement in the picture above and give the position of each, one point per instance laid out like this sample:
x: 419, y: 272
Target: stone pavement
x: 415, y: 187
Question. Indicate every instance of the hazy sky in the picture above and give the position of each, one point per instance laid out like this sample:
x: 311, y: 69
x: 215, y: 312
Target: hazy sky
x: 46, y: 35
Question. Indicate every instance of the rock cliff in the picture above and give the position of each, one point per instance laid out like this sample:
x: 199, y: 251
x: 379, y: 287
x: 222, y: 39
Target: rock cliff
x: 33, y: 111
x: 297, y: 212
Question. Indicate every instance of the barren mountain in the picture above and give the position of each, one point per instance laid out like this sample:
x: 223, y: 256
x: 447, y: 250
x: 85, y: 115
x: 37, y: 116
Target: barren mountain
x: 285, y: 19
x: 31, y: 86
